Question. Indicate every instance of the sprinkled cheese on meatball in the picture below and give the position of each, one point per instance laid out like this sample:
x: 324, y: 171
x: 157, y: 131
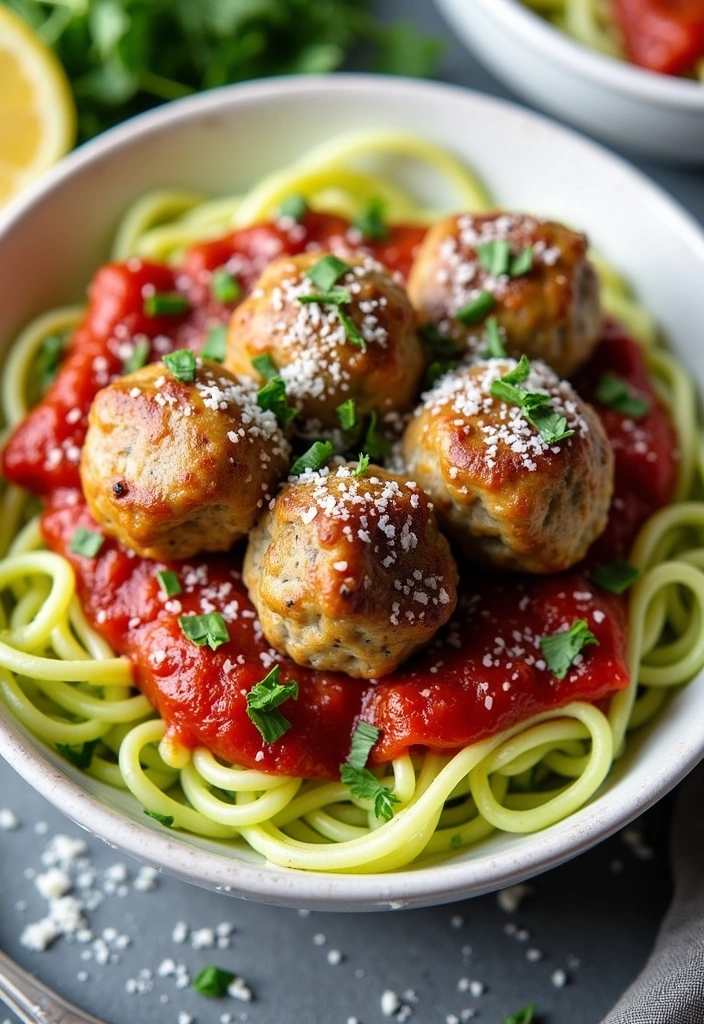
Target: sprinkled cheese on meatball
x: 173, y: 467
x: 519, y: 496
x: 350, y: 573
x: 357, y: 342
x: 532, y: 275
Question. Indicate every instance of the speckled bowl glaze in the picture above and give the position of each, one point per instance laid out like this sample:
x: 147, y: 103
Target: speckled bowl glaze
x: 226, y: 140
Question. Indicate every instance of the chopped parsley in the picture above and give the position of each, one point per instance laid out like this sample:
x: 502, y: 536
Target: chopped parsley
x: 441, y: 345
x: 79, y: 755
x: 495, y: 348
x: 86, y: 542
x: 524, y: 1016
x: 550, y: 424
x: 353, y: 333
x: 165, y: 304
x: 166, y: 820
x: 139, y: 357
x: 215, y: 346
x: 224, y: 286
x: 265, y: 366
x: 362, y: 465
x: 207, y: 629
x: 272, y: 398
x: 332, y: 297
x: 50, y: 355
x: 561, y: 649
x: 294, y: 206
x: 614, y: 392
x: 616, y: 576
x: 263, y: 702
x: 169, y: 582
x: 317, y: 456
x: 438, y: 369
x: 375, y: 442
x: 495, y: 257
x: 363, y: 739
x: 455, y: 841
x: 521, y: 263
x: 181, y: 365
x: 347, y: 414
x: 476, y: 310
x: 362, y: 782
x: 213, y: 982
x: 327, y: 272
x: 371, y: 224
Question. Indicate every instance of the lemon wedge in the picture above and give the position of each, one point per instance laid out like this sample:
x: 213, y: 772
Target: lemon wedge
x: 37, y: 114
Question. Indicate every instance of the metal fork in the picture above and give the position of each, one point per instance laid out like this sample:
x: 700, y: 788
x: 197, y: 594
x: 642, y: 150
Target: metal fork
x: 33, y: 1002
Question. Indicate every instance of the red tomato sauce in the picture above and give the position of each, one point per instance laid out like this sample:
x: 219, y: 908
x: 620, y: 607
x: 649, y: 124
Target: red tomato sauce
x: 662, y: 35
x: 483, y: 673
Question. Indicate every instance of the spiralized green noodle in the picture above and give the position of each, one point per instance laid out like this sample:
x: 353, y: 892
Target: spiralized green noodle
x: 64, y: 683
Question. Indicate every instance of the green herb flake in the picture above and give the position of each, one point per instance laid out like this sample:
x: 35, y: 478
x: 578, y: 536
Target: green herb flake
x: 476, y: 310
x: 376, y: 444
x: 354, y: 335
x: 364, y: 785
x: 438, y: 369
x: 363, y: 739
x: 371, y: 223
x: 212, y: 982
x: 50, y: 355
x: 165, y: 304
x: 347, y: 414
x: 207, y: 629
x: 332, y: 297
x: 455, y: 841
x: 494, y: 257
x: 224, y: 286
x: 519, y: 373
x: 215, y: 347
x: 86, y: 542
x: 441, y: 345
x: 561, y: 649
x: 495, y: 348
x: 272, y: 398
x: 317, y: 456
x: 169, y: 582
x: 549, y: 423
x: 295, y: 207
x: 265, y: 366
x: 79, y: 755
x: 263, y: 702
x: 181, y: 365
x: 166, y: 820
x: 521, y: 263
x: 524, y: 1016
x: 362, y: 465
x: 614, y: 392
x: 616, y: 576
x: 327, y: 272
x: 140, y: 355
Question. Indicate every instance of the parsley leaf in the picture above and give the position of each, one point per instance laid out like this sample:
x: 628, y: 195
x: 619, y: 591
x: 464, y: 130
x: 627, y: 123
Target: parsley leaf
x: 476, y: 310
x: 265, y: 366
x: 616, y: 393
x: 362, y: 782
x: 561, y: 649
x: 263, y: 705
x: 494, y: 256
x: 438, y: 369
x: 169, y: 582
x: 215, y: 347
x: 354, y: 335
x: 181, y: 365
x: 371, y: 223
x: 317, y: 456
x: 362, y: 465
x: 165, y: 304
x: 550, y: 424
x: 616, y: 576
x: 212, y: 981
x: 363, y: 739
x: 79, y: 755
x: 524, y: 1016
x: 521, y: 263
x: 139, y: 357
x: 441, y: 345
x: 495, y: 348
x: 86, y: 542
x: 376, y: 444
x: 207, y: 629
x: 272, y: 397
x: 224, y: 286
x: 166, y: 820
x: 327, y: 272
x: 519, y: 373
x: 332, y: 297
x: 347, y: 414
x: 294, y: 206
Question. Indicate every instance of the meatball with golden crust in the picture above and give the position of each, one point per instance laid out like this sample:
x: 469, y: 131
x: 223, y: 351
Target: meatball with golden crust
x: 350, y: 574
x: 512, y: 496
x: 172, y: 468
x: 532, y: 275
x: 366, y: 349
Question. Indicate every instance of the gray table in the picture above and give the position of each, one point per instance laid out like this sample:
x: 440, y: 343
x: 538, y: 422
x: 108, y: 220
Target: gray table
x: 572, y: 946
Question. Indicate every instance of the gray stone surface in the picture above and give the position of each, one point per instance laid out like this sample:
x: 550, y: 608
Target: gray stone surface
x: 593, y: 919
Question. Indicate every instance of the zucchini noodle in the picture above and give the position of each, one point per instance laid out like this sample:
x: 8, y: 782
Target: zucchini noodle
x: 591, y: 23
x: 62, y: 681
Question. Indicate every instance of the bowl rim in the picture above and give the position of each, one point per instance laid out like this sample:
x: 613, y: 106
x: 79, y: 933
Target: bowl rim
x: 437, y: 883
x: 576, y: 58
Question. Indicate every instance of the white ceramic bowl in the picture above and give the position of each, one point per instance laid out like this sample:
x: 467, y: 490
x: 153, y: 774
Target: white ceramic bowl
x: 56, y: 235
x: 659, y: 115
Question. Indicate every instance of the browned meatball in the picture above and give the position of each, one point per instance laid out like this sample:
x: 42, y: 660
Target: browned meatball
x: 550, y: 312
x: 510, y: 497
x: 173, y: 468
x: 350, y: 574
x: 317, y: 356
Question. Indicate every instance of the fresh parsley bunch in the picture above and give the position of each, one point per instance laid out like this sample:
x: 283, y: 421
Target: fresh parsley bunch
x: 123, y: 56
